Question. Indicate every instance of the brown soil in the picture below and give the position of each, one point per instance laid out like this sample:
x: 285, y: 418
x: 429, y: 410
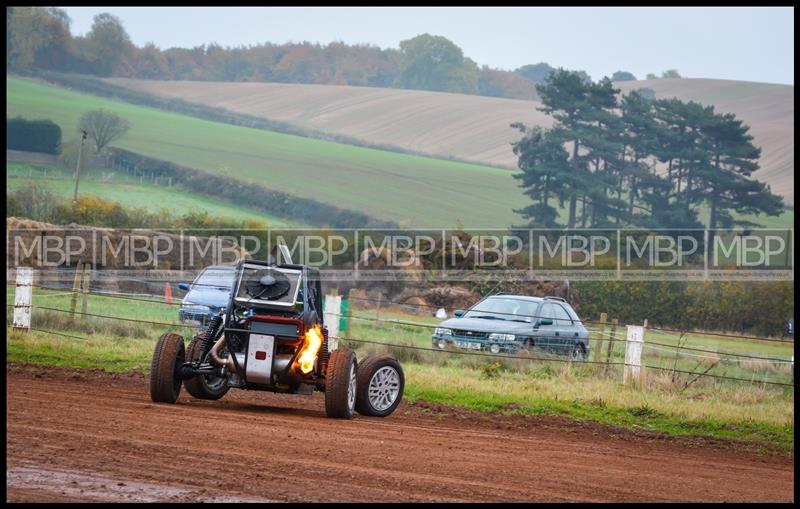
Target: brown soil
x: 87, y: 435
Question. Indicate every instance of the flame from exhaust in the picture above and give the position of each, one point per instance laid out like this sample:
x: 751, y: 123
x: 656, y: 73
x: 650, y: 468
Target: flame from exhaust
x: 310, y: 349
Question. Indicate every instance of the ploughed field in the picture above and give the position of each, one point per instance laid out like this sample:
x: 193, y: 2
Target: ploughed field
x: 476, y: 128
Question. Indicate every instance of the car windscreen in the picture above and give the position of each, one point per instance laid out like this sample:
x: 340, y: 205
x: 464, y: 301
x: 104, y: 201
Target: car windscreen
x: 215, y: 278
x: 503, y: 308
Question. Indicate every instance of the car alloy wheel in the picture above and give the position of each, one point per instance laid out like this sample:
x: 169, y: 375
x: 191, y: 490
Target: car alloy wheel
x: 384, y: 387
x: 351, y: 388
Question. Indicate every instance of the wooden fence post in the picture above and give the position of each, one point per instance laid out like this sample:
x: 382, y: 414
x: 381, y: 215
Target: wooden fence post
x: 611, y: 342
x: 330, y: 317
x: 598, y: 345
x: 642, y: 369
x: 22, y: 299
x: 87, y: 271
x: 76, y: 287
x: 633, y: 355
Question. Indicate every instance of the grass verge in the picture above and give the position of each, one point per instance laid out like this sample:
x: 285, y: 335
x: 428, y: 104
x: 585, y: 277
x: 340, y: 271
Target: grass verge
x: 747, y: 413
x: 742, y: 413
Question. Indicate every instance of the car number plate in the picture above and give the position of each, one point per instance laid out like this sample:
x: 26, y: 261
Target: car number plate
x: 472, y: 346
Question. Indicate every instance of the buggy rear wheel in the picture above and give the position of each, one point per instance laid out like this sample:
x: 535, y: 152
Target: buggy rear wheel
x: 165, y: 385
x: 203, y: 386
x: 380, y: 385
x: 340, y: 384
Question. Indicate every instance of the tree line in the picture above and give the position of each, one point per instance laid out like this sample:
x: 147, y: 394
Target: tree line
x: 616, y: 160
x: 40, y: 38
x: 741, y: 307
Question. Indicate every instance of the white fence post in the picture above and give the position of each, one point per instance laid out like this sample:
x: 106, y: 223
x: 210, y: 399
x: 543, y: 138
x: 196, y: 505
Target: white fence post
x: 331, y: 316
x: 633, y: 354
x: 22, y: 299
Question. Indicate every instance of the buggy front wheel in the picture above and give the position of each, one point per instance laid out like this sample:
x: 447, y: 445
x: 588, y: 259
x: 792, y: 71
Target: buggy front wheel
x: 165, y: 385
x: 380, y: 385
x: 340, y: 384
x: 203, y: 386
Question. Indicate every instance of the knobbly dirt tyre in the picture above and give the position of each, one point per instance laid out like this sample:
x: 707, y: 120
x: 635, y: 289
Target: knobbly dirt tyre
x: 170, y: 353
x: 340, y: 384
x: 203, y: 386
x: 380, y: 385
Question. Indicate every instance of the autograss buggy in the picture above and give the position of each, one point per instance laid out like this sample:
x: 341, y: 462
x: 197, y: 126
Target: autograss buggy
x: 271, y: 338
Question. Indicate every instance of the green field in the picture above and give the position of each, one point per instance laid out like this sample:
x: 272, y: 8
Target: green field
x: 132, y: 194
x: 410, y: 190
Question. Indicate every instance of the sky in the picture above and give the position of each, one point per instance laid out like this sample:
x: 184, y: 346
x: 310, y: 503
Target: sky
x: 737, y: 43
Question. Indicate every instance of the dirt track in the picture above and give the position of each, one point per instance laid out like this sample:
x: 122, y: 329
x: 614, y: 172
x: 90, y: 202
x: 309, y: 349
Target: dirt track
x: 83, y: 435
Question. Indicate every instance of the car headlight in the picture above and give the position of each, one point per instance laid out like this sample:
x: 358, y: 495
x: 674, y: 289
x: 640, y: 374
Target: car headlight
x: 441, y: 331
x: 502, y: 337
x: 196, y: 309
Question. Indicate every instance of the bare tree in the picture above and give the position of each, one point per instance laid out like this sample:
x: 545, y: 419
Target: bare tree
x: 104, y: 127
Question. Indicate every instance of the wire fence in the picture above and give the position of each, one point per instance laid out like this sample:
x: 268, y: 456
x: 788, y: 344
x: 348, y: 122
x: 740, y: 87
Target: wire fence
x: 158, y: 299
x: 116, y: 276
x: 606, y: 336
x: 596, y: 332
x: 486, y: 355
x: 154, y: 299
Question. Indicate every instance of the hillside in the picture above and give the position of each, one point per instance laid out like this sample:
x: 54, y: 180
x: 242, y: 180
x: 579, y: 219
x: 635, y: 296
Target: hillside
x: 410, y: 190
x: 477, y: 128
x: 132, y: 194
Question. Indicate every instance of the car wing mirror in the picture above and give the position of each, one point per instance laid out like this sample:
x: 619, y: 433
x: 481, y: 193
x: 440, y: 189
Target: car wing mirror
x: 544, y: 321
x: 458, y: 313
x: 183, y: 286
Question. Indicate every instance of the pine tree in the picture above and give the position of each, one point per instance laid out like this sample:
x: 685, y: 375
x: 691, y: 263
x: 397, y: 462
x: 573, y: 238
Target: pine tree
x: 545, y: 173
x: 733, y: 158
x: 640, y: 135
x: 582, y: 111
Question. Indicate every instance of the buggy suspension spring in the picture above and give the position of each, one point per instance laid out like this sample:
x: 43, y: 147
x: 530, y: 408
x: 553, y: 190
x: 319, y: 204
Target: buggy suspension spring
x: 324, y: 354
x: 211, y: 333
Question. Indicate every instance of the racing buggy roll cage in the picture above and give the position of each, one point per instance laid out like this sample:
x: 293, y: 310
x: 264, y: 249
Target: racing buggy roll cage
x: 227, y: 328
x: 277, y: 343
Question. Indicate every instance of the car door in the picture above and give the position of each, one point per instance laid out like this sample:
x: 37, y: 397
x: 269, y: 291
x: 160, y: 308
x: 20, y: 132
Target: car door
x: 566, y: 333
x: 546, y: 338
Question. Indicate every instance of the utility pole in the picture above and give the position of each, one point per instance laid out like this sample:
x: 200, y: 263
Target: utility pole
x: 78, y: 167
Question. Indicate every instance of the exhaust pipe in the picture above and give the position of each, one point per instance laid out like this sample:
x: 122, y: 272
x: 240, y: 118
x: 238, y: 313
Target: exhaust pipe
x: 213, y: 354
x: 219, y: 361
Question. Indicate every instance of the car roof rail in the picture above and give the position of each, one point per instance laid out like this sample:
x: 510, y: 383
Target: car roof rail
x: 552, y: 297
